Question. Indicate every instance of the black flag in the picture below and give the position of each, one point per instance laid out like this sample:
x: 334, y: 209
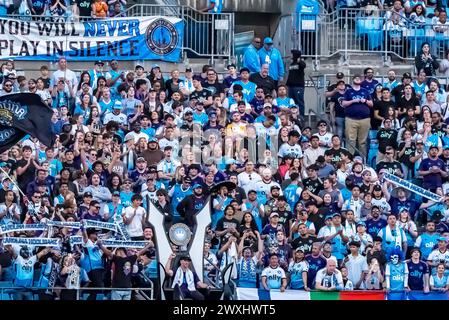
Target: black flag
x: 22, y: 114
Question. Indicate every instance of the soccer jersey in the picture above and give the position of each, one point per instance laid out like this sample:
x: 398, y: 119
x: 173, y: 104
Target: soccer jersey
x: 416, y: 272
x: 24, y: 271
x: 397, y: 274
x: 426, y: 242
x: 296, y: 270
x: 274, y: 277
x: 177, y: 194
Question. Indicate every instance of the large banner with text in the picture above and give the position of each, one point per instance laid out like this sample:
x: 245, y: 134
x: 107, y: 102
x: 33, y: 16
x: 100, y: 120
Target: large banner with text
x: 136, y: 38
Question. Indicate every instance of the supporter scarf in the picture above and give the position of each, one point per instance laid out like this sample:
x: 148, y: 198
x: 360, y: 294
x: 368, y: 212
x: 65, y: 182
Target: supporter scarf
x: 53, y: 276
x: 44, y: 242
x: 61, y: 224
x: 126, y: 244
x: 189, y: 279
x: 22, y: 227
x: 396, y: 239
x: 412, y: 187
x: 76, y: 240
x: 100, y: 225
x: 73, y: 278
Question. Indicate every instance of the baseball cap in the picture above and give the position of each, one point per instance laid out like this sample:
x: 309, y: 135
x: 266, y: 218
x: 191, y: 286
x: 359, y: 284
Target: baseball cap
x: 155, y: 66
x: 268, y: 40
x: 187, y: 179
x: 377, y: 187
x: 185, y: 258
x: 116, y: 193
x: 433, y: 147
x: 87, y: 194
x: 139, y: 67
x: 419, y: 142
x: 441, y: 238
x: 188, y: 112
x: 403, y: 209
x: 446, y: 147
x: 299, y: 249
x: 153, y: 139
x: 141, y: 159
x: 406, y: 75
x: 340, y: 75
x: 274, y: 187
x: 358, y: 158
x: 118, y: 105
x: 361, y: 223
x: 197, y: 185
x: 189, y: 70
x: 99, y: 62
x: 244, y: 69
x: 231, y: 65
x: 274, y: 214
x: 336, y: 214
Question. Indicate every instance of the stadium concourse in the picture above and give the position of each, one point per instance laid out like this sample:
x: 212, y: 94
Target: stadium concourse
x: 146, y: 162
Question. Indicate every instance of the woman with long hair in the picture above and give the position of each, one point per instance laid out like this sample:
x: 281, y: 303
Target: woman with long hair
x: 114, y: 183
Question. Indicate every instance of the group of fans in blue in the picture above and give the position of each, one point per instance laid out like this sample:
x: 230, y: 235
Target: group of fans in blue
x: 291, y: 208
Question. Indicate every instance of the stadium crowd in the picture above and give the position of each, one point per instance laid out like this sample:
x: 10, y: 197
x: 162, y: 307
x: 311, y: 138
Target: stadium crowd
x: 60, y: 10
x: 304, y: 208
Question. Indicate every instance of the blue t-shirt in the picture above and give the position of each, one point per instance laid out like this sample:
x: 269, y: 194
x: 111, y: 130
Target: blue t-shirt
x: 357, y: 111
x: 369, y: 86
x: 373, y: 227
x: 427, y: 243
x: 397, y: 274
x: 432, y: 180
x: 315, y: 264
x: 249, y: 90
x: 416, y: 272
x: 247, y: 273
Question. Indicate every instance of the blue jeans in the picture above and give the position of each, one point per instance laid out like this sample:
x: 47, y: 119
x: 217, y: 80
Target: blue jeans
x: 340, y: 122
x: 297, y: 94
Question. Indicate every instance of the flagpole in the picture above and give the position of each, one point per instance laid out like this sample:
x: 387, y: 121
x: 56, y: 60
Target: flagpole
x: 12, y: 180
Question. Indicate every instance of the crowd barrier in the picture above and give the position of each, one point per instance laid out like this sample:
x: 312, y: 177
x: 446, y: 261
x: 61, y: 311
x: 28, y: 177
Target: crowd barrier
x: 350, y: 30
x: 9, y: 292
x: 261, y: 294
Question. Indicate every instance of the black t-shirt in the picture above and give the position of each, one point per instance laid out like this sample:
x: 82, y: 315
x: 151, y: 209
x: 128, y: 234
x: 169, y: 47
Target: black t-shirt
x: 202, y: 95
x: 225, y: 223
x: 84, y: 6
x: 390, y: 166
x: 409, y: 152
x: 123, y: 268
x: 387, y: 137
x: 266, y: 83
x: 304, y: 243
x: 402, y: 104
x: 314, y: 186
x: 336, y: 154
x: 214, y: 88
x: 382, y: 107
x: 318, y: 220
x: 364, y: 188
x: 398, y: 92
x: 28, y: 175
x: 296, y: 74
x: 338, y: 98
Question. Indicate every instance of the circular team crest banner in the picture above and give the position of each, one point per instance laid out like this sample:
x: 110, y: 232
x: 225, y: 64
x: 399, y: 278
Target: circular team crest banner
x: 132, y: 38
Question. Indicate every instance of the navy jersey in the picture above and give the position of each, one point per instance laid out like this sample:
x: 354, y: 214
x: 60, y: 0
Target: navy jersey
x: 315, y: 264
x: 416, y: 272
x: 373, y: 227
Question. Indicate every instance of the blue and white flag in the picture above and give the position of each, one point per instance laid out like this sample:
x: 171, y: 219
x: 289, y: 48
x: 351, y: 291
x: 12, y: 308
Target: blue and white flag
x: 130, y: 38
x: 100, y: 225
x: 412, y: 187
x: 125, y: 244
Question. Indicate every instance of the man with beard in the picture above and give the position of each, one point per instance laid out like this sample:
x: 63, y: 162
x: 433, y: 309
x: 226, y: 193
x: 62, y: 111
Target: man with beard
x: 391, y: 82
x: 263, y: 187
x: 24, y: 271
x: 285, y: 215
x: 263, y: 80
x: 369, y: 83
x: 305, y: 240
x: 191, y: 205
x: 433, y: 170
x: 386, y: 137
x: 221, y: 201
x: 336, y: 151
x: 137, y: 133
x: 313, y: 183
x: 153, y: 155
x: 427, y: 241
x: 375, y: 222
x: 390, y: 164
x: 316, y: 262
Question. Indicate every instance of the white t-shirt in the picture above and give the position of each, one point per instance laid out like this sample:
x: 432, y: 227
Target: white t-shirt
x: 329, y: 280
x: 356, y: 265
x: 135, y: 226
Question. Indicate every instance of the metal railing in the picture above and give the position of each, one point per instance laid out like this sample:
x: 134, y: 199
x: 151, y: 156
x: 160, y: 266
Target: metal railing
x: 359, y: 31
x: 80, y: 292
x: 205, y: 34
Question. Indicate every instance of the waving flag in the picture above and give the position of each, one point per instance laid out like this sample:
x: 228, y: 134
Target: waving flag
x: 22, y: 114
